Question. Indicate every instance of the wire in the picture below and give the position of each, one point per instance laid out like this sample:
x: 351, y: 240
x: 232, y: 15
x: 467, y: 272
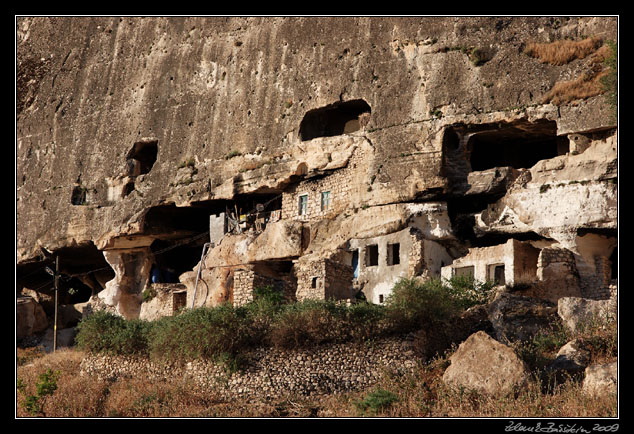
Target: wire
x: 158, y: 252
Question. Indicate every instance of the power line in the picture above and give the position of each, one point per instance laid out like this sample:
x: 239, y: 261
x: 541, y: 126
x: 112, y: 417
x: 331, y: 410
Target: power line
x: 158, y: 252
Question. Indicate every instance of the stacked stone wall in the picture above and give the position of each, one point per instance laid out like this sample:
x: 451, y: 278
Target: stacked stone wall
x: 416, y: 259
x: 597, y: 285
x: 338, y: 280
x: 340, y: 183
x: 246, y: 281
x: 311, y: 277
x: 273, y: 373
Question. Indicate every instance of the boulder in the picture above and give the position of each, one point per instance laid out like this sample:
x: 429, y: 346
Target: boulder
x: 485, y: 365
x: 432, y: 341
x: 601, y: 379
x: 571, y: 358
x: 577, y: 312
x: 517, y: 317
x: 30, y: 317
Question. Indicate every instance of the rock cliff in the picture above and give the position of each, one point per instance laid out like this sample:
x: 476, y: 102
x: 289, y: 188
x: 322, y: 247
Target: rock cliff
x: 311, y: 136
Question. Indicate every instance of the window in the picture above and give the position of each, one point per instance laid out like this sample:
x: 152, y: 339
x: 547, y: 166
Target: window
x: 496, y: 274
x: 372, y: 255
x: 313, y: 283
x: 381, y: 298
x: 464, y: 271
x: 303, y: 204
x: 393, y: 254
x: 325, y: 200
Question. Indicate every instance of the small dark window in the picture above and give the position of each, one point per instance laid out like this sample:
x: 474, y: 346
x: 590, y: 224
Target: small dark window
x: 313, y: 283
x: 498, y: 275
x: 381, y: 298
x: 78, y: 196
x: 393, y: 254
x: 372, y: 255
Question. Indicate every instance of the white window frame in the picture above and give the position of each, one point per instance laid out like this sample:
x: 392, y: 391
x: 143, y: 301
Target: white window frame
x: 325, y: 194
x: 302, y: 210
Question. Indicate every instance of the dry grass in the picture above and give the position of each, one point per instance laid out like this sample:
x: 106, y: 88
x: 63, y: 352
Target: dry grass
x: 589, y: 84
x: 564, y: 51
x: 421, y: 394
x: 586, y: 86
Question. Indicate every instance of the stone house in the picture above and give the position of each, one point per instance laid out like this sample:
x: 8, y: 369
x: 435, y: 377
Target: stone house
x: 322, y: 194
x: 504, y: 264
x: 379, y: 262
x: 550, y: 272
x: 164, y: 299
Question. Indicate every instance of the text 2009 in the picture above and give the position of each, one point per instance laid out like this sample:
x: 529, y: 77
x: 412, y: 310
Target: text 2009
x: 606, y: 428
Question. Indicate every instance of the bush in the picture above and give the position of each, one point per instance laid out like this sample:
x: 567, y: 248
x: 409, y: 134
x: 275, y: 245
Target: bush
x: 46, y: 385
x: 305, y: 323
x: 468, y: 291
x: 414, y: 304
x: 109, y: 333
x: 376, y: 401
x: 200, y: 333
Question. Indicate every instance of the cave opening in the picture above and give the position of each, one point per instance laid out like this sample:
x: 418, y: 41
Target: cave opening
x: 142, y: 157
x: 174, y: 257
x: 83, y: 272
x: 181, y: 232
x: 334, y: 119
x: 519, y: 145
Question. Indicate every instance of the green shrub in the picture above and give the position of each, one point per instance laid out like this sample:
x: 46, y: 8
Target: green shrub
x: 376, y: 401
x: 269, y: 294
x: 199, y: 333
x: 305, y: 323
x: 104, y: 332
x: 414, y: 304
x: 468, y: 291
x: 47, y: 385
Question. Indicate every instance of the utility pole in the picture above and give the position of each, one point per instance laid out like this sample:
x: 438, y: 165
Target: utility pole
x: 56, y: 291
x: 56, y: 276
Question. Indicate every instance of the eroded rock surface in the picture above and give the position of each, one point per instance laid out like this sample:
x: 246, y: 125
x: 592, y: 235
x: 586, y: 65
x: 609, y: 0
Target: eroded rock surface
x: 135, y: 133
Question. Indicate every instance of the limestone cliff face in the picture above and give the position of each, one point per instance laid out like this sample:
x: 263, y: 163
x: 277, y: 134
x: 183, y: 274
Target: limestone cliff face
x: 127, y: 127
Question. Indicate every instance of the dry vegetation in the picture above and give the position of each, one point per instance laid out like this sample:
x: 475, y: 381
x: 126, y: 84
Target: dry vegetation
x: 564, y: 51
x: 591, y: 83
x: 421, y: 394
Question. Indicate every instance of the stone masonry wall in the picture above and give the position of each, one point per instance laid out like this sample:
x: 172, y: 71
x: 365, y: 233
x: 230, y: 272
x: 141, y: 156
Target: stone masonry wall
x: 311, y: 276
x: 338, y: 284
x: 246, y: 281
x: 597, y: 285
x: 340, y: 185
x: 274, y: 373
